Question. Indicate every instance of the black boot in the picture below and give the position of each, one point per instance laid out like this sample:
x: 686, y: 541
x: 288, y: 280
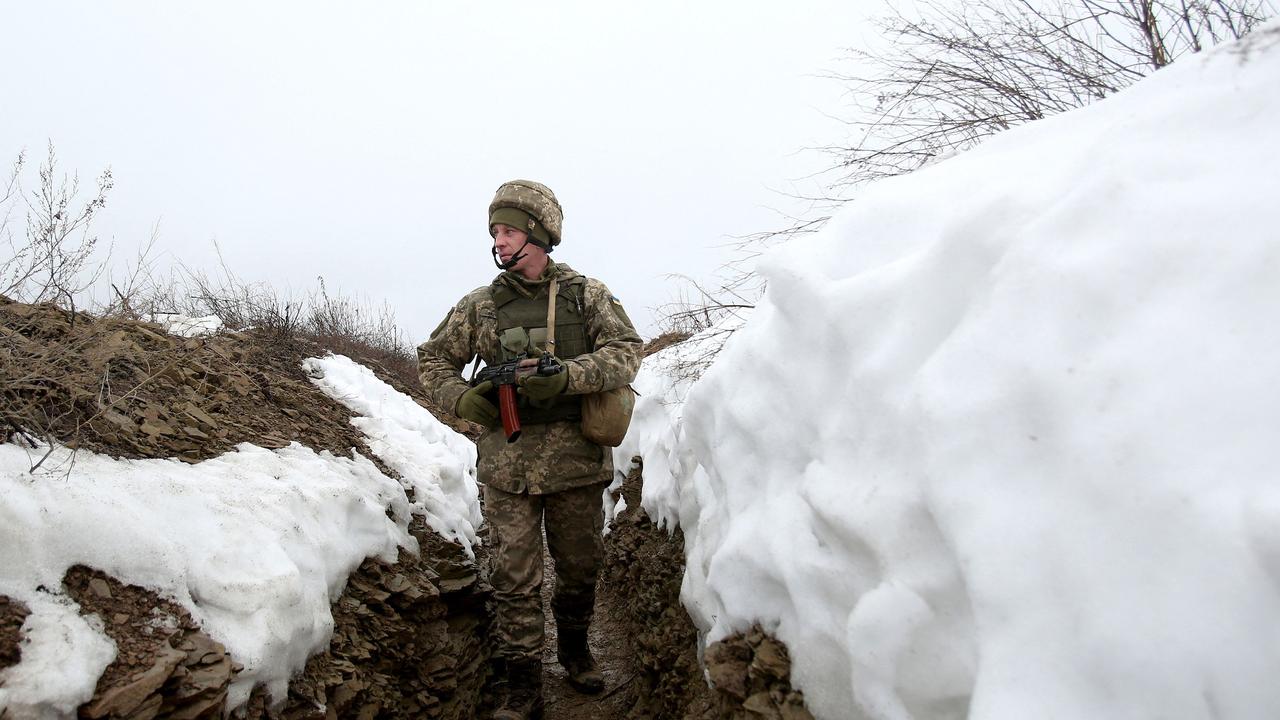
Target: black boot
x: 575, y: 655
x: 499, y: 684
x: 523, y: 700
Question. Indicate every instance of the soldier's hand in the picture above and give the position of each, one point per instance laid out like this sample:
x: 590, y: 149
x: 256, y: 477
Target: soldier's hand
x: 544, y: 387
x: 475, y: 407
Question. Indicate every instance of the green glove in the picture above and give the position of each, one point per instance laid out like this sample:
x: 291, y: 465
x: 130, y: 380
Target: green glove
x: 539, y: 388
x: 473, y: 406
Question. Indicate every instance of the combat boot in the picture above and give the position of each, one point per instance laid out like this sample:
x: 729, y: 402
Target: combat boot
x: 498, y: 686
x: 575, y: 655
x: 523, y: 699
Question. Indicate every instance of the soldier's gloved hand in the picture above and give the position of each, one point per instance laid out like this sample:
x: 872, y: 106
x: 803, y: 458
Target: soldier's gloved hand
x: 539, y: 388
x: 473, y: 406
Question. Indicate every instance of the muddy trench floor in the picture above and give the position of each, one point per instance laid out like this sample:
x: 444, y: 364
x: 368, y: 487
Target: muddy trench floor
x: 608, y: 642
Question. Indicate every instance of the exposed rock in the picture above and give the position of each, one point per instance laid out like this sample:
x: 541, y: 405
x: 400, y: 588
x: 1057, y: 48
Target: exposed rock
x: 750, y: 673
x: 644, y: 567
x: 100, y: 588
x: 165, y: 665
x: 122, y: 700
x: 12, y: 615
x: 727, y: 670
x: 410, y: 640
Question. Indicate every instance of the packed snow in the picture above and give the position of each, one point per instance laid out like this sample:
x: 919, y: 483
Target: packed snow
x: 1002, y: 440
x: 186, y: 326
x: 255, y: 543
x: 434, y: 462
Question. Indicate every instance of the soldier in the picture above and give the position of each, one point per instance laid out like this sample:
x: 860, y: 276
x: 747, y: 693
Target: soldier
x: 552, y: 474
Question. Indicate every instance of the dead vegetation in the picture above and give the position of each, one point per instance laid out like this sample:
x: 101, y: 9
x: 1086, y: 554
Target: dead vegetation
x: 939, y: 77
x: 129, y: 389
x: 54, y: 259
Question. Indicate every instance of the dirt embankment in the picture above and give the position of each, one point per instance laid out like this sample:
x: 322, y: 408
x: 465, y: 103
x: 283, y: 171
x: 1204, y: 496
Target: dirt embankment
x: 410, y: 639
x: 640, y: 592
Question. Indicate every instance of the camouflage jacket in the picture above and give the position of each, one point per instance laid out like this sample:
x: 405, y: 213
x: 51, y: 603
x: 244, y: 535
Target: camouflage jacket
x: 548, y: 457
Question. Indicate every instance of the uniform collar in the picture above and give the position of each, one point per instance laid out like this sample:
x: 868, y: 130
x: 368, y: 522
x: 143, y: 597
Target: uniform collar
x: 532, y: 288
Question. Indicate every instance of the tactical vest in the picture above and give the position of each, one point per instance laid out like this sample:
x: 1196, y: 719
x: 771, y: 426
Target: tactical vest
x: 522, y: 329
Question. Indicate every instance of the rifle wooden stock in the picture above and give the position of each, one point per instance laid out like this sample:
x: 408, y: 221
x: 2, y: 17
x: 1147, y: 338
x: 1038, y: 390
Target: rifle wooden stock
x: 510, y: 414
x: 505, y: 377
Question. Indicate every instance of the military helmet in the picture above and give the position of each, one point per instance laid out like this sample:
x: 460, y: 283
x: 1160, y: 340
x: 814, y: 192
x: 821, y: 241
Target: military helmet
x: 532, y: 198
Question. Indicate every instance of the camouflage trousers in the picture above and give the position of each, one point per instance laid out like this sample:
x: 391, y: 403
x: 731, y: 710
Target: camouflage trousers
x: 574, y: 520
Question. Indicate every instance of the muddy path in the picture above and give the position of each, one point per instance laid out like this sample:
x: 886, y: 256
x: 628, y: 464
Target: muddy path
x: 609, y: 646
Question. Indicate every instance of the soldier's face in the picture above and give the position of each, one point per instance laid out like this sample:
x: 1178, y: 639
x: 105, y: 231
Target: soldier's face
x: 509, y: 241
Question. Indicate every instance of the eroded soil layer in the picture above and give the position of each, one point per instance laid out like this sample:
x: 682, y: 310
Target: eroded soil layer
x: 750, y: 673
x: 12, y: 615
x: 410, y: 641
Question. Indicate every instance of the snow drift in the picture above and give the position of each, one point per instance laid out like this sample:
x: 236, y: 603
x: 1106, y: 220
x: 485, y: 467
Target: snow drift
x: 1002, y: 440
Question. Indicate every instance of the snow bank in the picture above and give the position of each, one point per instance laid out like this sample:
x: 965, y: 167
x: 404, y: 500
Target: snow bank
x: 186, y: 326
x: 1002, y: 441
x: 63, y: 654
x: 255, y: 544
x: 663, y: 383
x: 436, y: 463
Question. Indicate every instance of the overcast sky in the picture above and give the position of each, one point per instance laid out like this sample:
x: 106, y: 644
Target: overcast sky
x: 362, y: 142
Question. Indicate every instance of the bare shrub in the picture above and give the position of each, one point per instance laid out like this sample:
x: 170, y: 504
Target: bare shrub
x: 47, y: 389
x: 137, y: 294
x: 240, y: 305
x: 337, y: 322
x: 709, y: 315
x: 352, y: 326
x: 950, y: 74
x: 953, y: 74
x: 55, y: 261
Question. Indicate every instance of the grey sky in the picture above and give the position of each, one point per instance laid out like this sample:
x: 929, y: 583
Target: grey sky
x: 362, y: 141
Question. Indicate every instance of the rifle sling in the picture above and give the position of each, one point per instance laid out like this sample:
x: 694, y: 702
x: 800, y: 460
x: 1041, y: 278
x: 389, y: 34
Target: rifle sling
x: 551, y: 317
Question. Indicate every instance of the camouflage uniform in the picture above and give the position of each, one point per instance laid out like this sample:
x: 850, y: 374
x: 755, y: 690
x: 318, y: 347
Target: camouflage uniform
x: 551, y: 470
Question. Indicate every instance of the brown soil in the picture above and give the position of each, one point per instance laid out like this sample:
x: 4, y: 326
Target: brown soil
x: 165, y: 665
x: 640, y: 598
x: 611, y: 652
x: 129, y: 390
x: 12, y: 615
x: 410, y: 641
x: 644, y: 567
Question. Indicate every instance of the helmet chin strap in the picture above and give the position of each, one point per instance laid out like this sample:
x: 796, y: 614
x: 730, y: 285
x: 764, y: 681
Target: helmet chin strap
x: 514, y: 258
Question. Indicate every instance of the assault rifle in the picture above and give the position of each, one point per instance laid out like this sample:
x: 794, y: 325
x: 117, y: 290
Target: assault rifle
x: 505, y: 377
